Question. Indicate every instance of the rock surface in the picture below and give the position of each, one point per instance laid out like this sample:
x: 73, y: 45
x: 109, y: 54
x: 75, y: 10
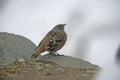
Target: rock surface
x: 67, y: 61
x: 45, y: 70
x: 15, y: 52
x: 13, y: 47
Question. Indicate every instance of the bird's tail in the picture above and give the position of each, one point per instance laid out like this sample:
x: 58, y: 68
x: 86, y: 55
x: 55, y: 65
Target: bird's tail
x: 35, y: 54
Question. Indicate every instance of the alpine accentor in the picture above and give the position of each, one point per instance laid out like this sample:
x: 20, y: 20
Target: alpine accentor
x: 52, y: 42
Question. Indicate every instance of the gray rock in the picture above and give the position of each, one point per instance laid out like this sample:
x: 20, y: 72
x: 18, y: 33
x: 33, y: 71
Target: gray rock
x: 13, y: 47
x: 71, y: 62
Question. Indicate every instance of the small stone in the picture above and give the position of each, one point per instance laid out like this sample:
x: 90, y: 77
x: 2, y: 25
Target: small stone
x: 21, y: 60
x: 40, y: 68
x: 37, y: 65
x: 59, y: 69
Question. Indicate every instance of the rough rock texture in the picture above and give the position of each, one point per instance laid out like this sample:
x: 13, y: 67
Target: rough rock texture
x: 67, y: 61
x: 47, y: 70
x: 15, y: 52
x: 13, y: 47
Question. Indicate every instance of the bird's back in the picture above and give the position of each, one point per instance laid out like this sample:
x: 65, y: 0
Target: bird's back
x: 53, y: 41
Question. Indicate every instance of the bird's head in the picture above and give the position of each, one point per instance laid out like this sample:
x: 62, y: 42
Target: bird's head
x: 59, y: 27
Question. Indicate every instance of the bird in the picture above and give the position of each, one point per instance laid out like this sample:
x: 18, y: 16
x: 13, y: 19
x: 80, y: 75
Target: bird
x: 52, y: 42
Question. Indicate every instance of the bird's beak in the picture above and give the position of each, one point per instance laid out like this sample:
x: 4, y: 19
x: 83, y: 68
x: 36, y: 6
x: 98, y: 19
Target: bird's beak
x: 64, y: 24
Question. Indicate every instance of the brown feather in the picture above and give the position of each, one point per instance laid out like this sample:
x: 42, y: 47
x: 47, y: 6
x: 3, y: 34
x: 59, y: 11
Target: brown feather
x: 53, y: 41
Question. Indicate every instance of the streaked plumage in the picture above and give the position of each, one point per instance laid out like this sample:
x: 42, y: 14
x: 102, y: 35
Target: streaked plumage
x: 52, y: 42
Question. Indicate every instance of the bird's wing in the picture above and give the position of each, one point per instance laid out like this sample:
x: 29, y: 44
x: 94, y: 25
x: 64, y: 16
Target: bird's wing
x: 61, y: 40
x: 57, y: 41
x: 42, y: 45
x: 53, y: 40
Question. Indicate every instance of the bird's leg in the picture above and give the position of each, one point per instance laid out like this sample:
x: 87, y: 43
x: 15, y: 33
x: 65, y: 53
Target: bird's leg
x: 55, y: 53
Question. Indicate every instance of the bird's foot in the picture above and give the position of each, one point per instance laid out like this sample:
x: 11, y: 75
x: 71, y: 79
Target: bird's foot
x: 56, y: 54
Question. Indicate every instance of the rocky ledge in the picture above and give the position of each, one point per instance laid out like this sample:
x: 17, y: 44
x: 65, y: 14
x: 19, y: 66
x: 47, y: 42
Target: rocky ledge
x: 15, y: 52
